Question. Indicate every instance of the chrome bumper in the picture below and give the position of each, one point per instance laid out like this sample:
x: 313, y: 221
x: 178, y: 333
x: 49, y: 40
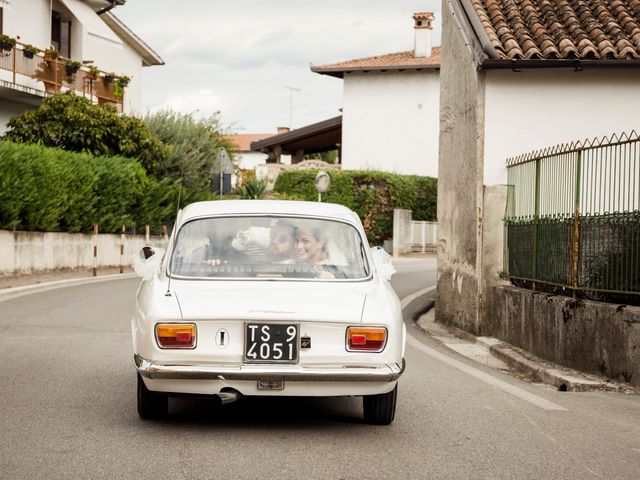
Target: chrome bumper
x: 345, y: 373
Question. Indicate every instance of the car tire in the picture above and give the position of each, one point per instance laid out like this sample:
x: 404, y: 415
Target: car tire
x: 380, y: 409
x: 151, y: 404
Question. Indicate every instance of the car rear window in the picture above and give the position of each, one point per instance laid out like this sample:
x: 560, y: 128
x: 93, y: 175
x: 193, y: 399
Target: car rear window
x: 269, y: 247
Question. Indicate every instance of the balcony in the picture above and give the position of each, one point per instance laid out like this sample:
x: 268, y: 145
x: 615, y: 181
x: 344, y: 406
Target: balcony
x: 45, y: 75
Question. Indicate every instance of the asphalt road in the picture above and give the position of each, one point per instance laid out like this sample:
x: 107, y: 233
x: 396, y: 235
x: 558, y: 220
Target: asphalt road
x: 67, y: 410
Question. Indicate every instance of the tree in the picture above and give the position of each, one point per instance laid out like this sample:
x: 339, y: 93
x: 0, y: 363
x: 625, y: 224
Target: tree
x: 73, y: 123
x: 195, y: 146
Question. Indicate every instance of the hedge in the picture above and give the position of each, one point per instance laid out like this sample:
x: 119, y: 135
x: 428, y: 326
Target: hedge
x: 48, y: 189
x: 372, y: 195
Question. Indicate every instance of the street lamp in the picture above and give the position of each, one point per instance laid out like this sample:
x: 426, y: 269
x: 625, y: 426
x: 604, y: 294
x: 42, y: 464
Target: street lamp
x: 323, y: 181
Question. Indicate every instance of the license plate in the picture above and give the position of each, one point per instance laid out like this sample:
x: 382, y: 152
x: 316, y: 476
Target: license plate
x: 271, y: 343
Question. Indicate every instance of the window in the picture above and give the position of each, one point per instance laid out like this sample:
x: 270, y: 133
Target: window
x: 61, y: 33
x: 270, y: 248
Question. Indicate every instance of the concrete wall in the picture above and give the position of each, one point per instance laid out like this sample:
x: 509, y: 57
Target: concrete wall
x: 495, y: 203
x: 390, y: 122
x: 401, y: 231
x: 536, y: 109
x: 10, y: 109
x: 460, y: 186
x: 250, y: 160
x: 595, y: 337
x: 25, y: 252
x: 30, y: 20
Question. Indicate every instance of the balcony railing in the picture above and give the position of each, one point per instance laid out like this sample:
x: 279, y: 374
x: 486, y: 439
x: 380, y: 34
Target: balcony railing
x: 53, y: 74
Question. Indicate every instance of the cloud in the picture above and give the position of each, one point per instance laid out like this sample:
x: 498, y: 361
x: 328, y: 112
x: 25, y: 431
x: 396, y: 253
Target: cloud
x: 203, y: 103
x: 237, y: 56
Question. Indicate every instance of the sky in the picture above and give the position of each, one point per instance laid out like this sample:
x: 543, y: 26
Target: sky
x: 237, y: 57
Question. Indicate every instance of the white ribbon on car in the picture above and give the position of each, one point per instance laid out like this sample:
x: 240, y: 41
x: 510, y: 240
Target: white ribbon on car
x: 147, y: 267
x: 382, y: 261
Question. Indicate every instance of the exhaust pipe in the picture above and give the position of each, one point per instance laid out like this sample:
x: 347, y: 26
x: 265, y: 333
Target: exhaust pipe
x: 228, y: 396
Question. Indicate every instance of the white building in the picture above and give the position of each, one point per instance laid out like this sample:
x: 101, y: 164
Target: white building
x: 519, y: 77
x: 245, y: 158
x: 391, y: 107
x: 84, y: 31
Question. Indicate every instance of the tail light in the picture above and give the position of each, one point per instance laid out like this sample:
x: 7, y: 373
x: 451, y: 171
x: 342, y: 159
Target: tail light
x: 176, y: 335
x: 366, y: 339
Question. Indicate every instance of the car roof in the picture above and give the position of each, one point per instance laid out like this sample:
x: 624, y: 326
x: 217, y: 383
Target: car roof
x: 267, y: 207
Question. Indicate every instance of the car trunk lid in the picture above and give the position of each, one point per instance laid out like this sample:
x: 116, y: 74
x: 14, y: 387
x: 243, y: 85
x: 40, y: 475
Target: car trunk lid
x: 335, y: 302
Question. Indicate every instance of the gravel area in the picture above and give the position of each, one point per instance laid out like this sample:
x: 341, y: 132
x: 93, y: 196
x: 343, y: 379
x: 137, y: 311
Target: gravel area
x: 33, y: 278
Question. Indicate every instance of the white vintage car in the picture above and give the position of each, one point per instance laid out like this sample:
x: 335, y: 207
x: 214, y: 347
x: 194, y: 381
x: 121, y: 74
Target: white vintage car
x: 267, y: 298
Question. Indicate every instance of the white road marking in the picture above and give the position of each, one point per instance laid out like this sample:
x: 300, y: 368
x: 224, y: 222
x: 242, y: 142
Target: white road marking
x: 410, y: 298
x: 15, y: 292
x: 485, y: 377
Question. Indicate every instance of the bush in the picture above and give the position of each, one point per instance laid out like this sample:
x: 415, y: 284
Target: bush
x: 372, y: 195
x: 252, y: 189
x: 159, y: 202
x: 47, y: 189
x: 73, y: 123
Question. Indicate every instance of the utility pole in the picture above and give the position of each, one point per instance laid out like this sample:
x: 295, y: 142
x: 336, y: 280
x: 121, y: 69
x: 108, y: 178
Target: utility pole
x: 291, y: 90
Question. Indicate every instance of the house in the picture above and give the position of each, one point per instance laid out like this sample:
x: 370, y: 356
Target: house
x: 83, y: 31
x: 518, y: 77
x: 390, y: 114
x: 245, y: 158
x: 287, y: 149
x: 291, y: 146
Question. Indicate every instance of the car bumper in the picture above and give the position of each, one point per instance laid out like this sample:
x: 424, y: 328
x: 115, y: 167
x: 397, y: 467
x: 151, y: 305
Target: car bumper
x: 342, y: 373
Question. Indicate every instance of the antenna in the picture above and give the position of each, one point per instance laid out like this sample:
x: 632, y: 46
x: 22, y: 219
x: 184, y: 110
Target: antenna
x: 175, y: 224
x: 291, y: 90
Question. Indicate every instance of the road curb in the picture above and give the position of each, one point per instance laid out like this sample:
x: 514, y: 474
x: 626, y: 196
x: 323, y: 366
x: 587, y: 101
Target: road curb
x: 562, y: 378
x: 15, y: 292
x: 417, y: 303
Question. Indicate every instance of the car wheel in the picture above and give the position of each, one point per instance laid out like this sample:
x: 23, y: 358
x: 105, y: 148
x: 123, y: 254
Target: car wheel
x: 151, y: 404
x: 380, y: 409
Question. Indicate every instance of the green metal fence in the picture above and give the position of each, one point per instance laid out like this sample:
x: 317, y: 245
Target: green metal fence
x: 573, y: 219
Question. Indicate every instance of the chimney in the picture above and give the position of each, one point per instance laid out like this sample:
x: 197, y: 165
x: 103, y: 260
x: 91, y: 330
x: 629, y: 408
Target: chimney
x: 283, y: 130
x: 423, y: 26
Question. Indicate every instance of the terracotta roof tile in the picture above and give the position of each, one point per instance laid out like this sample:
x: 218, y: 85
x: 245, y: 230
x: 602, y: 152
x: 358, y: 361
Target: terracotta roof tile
x: 562, y: 29
x: 242, y: 141
x: 391, y: 61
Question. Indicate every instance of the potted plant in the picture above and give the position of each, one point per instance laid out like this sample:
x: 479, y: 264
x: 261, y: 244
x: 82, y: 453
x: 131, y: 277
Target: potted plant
x: 93, y: 73
x: 109, y: 77
x: 72, y: 67
x: 51, y: 54
x: 7, y: 43
x: 29, y: 51
x: 123, y: 81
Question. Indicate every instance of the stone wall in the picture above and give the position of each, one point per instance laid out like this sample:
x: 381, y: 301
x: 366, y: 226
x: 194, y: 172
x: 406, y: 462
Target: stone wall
x: 596, y: 337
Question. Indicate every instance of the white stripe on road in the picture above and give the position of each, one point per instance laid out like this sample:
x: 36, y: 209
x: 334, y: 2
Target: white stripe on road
x: 410, y: 298
x: 485, y: 377
x: 474, y: 372
x: 15, y: 292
